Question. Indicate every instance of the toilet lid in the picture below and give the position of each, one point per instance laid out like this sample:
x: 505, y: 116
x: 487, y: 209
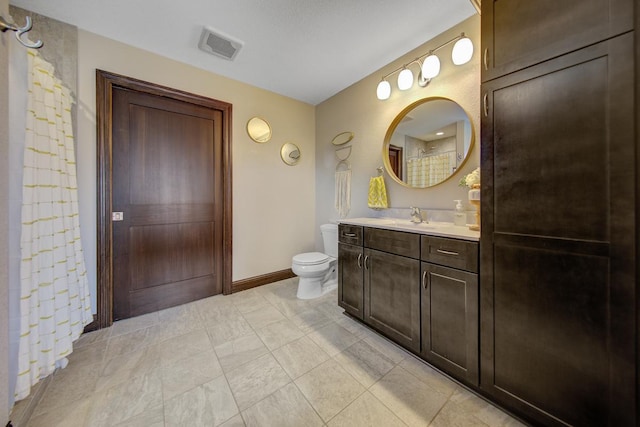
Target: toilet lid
x: 310, y: 258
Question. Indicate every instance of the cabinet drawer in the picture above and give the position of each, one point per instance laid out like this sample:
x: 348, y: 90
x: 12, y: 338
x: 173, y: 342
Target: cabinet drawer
x: 394, y: 242
x: 454, y: 253
x: 351, y: 234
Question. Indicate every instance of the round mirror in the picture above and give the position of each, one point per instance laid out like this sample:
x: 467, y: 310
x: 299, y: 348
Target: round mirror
x: 427, y: 142
x: 259, y: 130
x: 290, y: 153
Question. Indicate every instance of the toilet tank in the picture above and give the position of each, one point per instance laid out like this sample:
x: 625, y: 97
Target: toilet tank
x: 330, y: 239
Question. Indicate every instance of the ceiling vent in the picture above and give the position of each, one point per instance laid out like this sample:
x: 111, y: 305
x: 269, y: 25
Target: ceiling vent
x: 219, y: 44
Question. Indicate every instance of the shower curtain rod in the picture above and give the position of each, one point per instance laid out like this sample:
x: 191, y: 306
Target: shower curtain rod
x: 6, y: 25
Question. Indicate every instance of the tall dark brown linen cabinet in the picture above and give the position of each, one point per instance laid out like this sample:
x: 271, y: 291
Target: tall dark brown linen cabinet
x: 558, y: 298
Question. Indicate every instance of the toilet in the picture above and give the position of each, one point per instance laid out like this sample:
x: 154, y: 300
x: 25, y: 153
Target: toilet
x: 318, y: 272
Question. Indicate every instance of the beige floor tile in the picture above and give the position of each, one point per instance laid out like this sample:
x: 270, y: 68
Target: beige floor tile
x: 428, y: 375
x: 286, y: 407
x: 247, y: 301
x: 300, y: 356
x: 409, y: 399
x: 364, y: 363
x: 240, y: 351
x: 92, y: 337
x: 329, y: 389
x: 133, y: 341
x: 310, y: 320
x: 236, y: 421
x: 122, y: 368
x: 228, y: 330
x: 386, y: 347
x: 472, y: 405
x: 126, y: 400
x: 263, y: 316
x: 73, y: 414
x: 126, y: 326
x: 185, y: 374
x: 256, y: 380
x: 183, y: 346
x: 333, y: 338
x: 88, y: 355
x: 279, y: 333
x: 66, y: 386
x: 366, y: 411
x: 150, y: 418
x: 353, y: 326
x: 166, y: 369
x: 209, y: 404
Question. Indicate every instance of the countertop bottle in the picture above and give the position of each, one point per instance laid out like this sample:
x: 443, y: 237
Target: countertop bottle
x: 459, y: 215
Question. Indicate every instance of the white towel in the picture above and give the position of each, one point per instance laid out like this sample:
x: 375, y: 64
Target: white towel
x: 343, y: 192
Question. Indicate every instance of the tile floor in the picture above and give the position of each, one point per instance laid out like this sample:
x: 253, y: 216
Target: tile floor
x: 257, y: 358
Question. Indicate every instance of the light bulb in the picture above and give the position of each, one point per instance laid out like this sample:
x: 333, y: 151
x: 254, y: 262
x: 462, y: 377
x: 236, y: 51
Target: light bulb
x: 384, y: 90
x: 405, y: 79
x: 430, y: 67
x: 462, y: 51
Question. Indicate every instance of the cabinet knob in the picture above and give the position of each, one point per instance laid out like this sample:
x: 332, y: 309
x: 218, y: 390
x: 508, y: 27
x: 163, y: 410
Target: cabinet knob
x: 485, y: 58
x: 366, y: 266
x: 349, y: 234
x: 425, y: 277
x: 359, y: 260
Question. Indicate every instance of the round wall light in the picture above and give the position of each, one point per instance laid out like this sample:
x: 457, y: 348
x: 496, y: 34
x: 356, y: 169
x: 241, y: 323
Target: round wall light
x: 405, y: 79
x: 462, y: 51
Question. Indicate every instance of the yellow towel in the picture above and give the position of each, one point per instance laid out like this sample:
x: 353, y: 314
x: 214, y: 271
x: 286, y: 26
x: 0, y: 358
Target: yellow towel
x: 377, y: 193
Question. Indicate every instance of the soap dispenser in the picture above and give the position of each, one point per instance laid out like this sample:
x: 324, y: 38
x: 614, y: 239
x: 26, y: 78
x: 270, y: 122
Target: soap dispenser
x: 459, y: 215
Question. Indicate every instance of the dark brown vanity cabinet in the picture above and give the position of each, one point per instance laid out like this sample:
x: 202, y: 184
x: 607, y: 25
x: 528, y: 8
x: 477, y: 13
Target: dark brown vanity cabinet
x: 391, y: 285
x: 450, y: 306
x: 559, y: 197
x: 351, y: 270
x: 520, y: 33
x: 378, y: 281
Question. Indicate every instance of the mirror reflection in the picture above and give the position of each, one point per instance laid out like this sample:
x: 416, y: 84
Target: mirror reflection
x: 259, y: 130
x: 290, y: 153
x: 428, y: 142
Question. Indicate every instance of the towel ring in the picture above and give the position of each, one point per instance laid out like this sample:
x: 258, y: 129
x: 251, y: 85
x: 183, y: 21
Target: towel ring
x: 345, y: 164
x: 343, y: 153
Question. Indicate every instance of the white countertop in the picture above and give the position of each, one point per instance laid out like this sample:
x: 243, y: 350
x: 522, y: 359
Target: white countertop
x: 443, y: 229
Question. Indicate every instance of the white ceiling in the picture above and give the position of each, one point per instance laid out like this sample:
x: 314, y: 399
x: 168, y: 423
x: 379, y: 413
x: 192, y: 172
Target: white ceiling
x: 305, y: 49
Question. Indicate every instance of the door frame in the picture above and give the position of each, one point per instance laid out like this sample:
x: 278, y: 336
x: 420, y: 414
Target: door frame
x: 105, y: 84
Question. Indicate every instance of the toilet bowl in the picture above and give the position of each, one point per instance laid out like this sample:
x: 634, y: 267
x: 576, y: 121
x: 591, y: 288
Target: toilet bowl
x: 317, y: 271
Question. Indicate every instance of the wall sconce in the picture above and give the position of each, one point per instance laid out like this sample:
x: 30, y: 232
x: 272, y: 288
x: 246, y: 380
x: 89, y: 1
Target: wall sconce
x: 429, y: 66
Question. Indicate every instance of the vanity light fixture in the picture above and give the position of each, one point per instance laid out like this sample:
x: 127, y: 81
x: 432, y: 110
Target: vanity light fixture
x: 429, y: 65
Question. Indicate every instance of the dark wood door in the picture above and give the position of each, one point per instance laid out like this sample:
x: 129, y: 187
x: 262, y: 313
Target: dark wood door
x: 351, y: 279
x: 520, y: 33
x: 450, y: 321
x: 396, y: 159
x: 392, y: 296
x: 167, y: 182
x: 558, y: 245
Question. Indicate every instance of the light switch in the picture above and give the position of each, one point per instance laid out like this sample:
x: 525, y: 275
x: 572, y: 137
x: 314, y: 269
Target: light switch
x: 117, y: 216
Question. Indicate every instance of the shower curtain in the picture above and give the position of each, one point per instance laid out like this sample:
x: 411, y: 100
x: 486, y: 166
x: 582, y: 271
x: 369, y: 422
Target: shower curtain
x: 54, y: 292
x: 431, y: 170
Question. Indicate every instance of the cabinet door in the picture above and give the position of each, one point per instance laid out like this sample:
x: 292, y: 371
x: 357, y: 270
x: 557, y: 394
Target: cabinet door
x: 450, y: 321
x: 351, y: 279
x: 392, y: 297
x: 520, y: 33
x: 558, y: 243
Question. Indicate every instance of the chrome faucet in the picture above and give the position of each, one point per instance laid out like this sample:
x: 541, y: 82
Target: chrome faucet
x: 416, y: 216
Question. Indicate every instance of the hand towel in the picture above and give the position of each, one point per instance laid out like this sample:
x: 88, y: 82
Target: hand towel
x: 343, y: 192
x: 377, y: 193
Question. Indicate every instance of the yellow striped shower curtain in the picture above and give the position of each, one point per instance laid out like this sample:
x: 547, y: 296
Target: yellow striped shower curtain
x: 54, y: 299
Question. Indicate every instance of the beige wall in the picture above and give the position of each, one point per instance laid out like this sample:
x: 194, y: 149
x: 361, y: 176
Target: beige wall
x: 273, y: 204
x: 358, y: 110
x: 4, y: 213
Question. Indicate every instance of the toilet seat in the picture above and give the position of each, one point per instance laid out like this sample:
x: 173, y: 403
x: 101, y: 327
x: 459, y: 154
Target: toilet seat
x: 311, y: 258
